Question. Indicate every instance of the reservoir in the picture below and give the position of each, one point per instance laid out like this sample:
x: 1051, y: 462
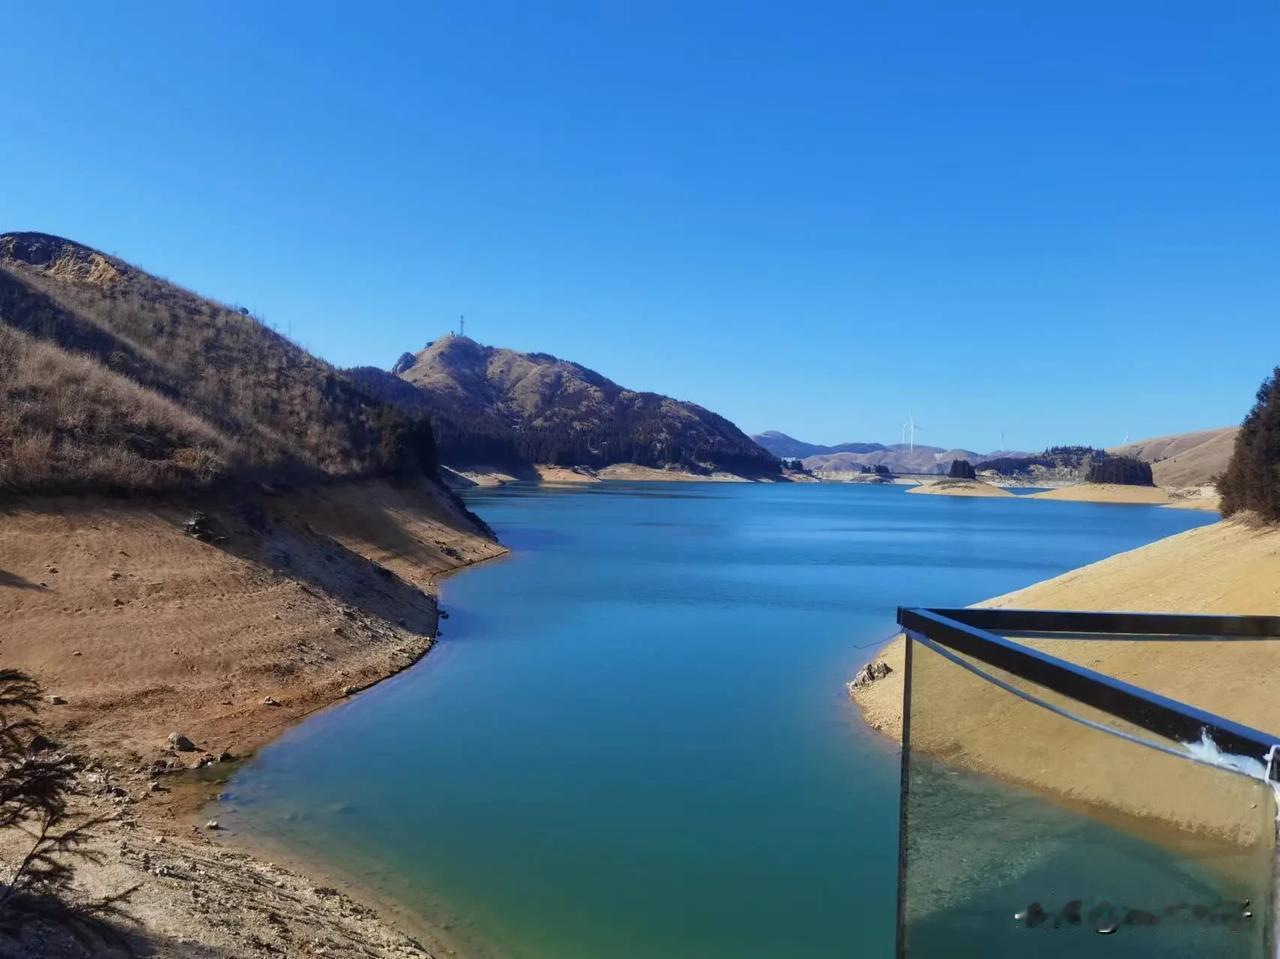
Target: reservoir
x: 634, y: 739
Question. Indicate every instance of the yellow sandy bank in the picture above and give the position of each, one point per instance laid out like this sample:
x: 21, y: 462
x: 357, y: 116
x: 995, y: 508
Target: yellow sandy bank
x: 1228, y: 567
x: 1106, y: 493
x: 950, y: 487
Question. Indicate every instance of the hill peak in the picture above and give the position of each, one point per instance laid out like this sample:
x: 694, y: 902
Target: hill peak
x: 494, y: 406
x: 58, y: 256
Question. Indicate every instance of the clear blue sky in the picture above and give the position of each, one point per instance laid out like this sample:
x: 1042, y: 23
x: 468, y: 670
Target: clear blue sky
x: 1057, y: 220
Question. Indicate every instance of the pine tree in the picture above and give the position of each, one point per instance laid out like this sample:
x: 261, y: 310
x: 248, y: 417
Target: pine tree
x: 1121, y: 470
x: 1252, y: 479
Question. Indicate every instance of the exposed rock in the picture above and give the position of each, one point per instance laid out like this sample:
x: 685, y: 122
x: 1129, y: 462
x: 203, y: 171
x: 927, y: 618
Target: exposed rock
x: 181, y: 743
x: 202, y: 528
x: 212, y: 824
x: 350, y: 690
x: 870, y: 673
x: 270, y: 701
x: 56, y: 701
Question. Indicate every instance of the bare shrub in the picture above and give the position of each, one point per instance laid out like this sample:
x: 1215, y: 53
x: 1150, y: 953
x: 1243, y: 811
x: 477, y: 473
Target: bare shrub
x: 66, y: 420
x: 38, y: 885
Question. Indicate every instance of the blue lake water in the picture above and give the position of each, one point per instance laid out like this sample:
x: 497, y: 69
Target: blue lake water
x: 634, y: 738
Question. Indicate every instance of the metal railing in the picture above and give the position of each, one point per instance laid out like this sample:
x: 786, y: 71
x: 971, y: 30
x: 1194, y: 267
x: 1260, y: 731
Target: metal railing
x: 1130, y: 823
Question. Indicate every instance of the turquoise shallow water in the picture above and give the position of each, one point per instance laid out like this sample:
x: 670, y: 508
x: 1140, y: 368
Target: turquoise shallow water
x: 634, y: 738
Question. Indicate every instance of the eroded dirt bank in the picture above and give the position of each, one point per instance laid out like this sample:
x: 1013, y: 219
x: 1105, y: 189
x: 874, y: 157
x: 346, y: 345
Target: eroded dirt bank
x: 281, y: 605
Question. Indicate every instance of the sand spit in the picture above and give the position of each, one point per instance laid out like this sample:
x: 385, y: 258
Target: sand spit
x: 1229, y: 567
x: 871, y: 479
x: 950, y: 487
x: 288, y: 604
x: 1107, y: 493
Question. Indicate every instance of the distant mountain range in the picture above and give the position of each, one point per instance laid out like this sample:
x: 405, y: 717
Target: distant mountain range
x: 780, y: 444
x: 498, y: 408
x: 851, y: 457
x: 1180, y: 460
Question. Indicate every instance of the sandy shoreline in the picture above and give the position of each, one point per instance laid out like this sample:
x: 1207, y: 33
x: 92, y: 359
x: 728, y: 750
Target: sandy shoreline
x: 958, y: 487
x: 629, y: 472
x: 1228, y: 567
x: 1107, y: 493
x: 143, y: 631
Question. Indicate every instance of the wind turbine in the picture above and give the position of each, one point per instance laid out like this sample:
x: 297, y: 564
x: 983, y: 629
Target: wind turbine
x: 909, y: 432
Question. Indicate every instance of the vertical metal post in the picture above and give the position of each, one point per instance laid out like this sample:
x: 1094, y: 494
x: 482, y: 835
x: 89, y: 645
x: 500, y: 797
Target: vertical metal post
x: 904, y: 790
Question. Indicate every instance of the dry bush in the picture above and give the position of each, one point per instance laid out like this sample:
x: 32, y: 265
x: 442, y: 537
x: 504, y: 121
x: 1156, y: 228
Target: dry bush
x: 65, y: 419
x: 37, y: 886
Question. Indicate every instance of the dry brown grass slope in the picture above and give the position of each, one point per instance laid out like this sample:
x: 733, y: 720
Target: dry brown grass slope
x: 321, y: 583
x: 113, y: 377
x: 1184, y: 459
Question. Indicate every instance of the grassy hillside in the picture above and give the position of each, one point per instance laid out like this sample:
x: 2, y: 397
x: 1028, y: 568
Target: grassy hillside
x: 498, y: 407
x: 1184, y: 459
x: 113, y: 378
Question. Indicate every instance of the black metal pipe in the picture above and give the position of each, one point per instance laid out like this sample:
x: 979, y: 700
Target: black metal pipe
x: 1134, y: 624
